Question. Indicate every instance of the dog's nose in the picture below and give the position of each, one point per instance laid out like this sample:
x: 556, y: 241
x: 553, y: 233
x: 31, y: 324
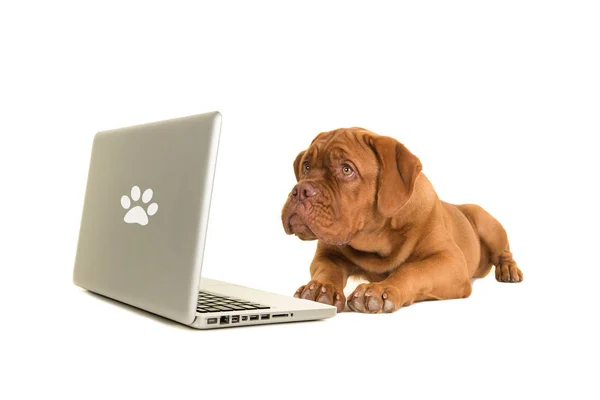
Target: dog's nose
x: 303, y: 190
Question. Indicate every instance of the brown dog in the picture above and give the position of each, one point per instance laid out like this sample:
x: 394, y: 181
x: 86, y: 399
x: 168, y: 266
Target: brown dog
x: 377, y: 216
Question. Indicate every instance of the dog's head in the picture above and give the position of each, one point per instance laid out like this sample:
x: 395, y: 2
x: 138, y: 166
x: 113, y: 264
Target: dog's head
x: 347, y: 179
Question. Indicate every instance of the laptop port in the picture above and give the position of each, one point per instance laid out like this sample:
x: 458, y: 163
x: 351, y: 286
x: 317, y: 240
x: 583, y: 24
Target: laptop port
x: 265, y: 316
x: 244, y: 318
x: 225, y: 319
x: 280, y: 315
x: 235, y: 319
x: 211, y: 321
x: 253, y: 317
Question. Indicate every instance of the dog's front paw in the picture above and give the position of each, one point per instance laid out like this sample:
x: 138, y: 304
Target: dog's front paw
x: 323, y: 293
x: 375, y: 298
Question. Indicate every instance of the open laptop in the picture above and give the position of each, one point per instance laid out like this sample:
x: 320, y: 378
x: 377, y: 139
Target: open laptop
x: 144, y: 226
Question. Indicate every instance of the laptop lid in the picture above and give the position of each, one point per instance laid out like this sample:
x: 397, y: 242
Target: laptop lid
x: 145, y: 214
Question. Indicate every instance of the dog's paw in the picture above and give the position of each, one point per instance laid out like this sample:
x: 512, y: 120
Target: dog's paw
x: 322, y: 293
x: 375, y: 298
x: 508, y: 272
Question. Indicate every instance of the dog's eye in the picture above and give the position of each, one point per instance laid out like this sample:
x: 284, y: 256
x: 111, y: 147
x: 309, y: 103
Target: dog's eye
x: 347, y: 170
x: 306, y: 167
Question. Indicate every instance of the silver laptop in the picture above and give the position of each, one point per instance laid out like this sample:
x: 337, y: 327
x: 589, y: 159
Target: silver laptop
x: 144, y: 226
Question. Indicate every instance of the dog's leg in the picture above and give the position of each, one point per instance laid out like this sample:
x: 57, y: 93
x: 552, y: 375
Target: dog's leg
x: 439, y: 277
x: 329, y: 274
x: 494, y: 239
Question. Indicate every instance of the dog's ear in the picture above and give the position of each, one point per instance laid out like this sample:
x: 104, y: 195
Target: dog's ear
x: 398, y: 171
x: 297, y: 164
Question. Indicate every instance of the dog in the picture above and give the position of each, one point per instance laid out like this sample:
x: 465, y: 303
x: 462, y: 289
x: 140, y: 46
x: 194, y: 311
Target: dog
x: 377, y: 216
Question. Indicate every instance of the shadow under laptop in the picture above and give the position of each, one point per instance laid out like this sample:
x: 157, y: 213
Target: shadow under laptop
x: 137, y: 311
x: 166, y: 321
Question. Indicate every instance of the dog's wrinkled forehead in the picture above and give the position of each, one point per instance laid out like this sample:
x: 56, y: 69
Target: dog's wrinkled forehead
x: 339, y: 144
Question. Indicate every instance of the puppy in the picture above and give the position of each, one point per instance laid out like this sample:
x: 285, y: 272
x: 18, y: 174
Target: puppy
x: 377, y: 216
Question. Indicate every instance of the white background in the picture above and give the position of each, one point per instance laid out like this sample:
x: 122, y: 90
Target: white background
x: 500, y: 100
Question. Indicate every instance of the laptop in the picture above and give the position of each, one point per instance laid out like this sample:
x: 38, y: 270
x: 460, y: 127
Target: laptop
x: 144, y: 227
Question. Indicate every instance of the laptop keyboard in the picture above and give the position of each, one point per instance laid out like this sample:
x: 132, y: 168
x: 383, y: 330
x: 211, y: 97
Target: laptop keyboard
x: 210, y: 303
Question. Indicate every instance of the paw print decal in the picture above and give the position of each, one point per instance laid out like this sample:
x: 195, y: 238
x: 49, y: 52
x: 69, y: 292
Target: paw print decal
x: 138, y: 214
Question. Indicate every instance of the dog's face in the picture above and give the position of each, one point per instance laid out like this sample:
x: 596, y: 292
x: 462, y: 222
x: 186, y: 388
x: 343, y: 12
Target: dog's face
x: 347, y: 179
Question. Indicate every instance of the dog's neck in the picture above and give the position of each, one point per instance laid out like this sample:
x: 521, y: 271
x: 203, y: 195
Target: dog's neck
x: 383, y: 235
x: 418, y: 208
